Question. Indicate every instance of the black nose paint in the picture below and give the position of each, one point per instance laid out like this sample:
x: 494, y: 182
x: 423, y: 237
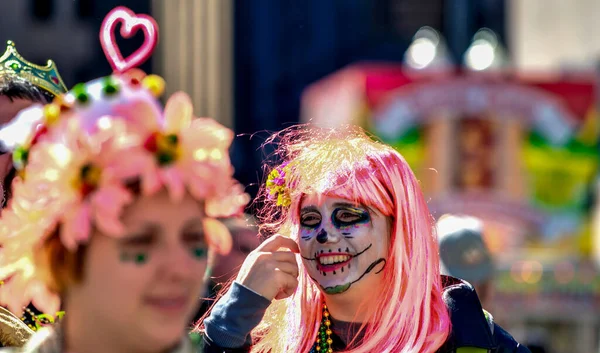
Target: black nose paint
x: 322, y: 236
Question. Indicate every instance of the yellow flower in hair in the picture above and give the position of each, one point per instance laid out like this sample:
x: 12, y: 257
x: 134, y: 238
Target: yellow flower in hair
x: 277, y: 185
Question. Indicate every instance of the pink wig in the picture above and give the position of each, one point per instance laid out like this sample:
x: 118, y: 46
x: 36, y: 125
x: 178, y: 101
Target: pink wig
x: 410, y: 314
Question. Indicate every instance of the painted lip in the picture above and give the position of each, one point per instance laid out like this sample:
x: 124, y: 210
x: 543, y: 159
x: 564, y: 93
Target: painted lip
x: 168, y: 305
x: 335, y: 266
x: 339, y: 252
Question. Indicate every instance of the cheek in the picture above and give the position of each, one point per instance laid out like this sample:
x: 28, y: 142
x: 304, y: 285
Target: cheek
x: 305, y: 244
x: 375, y: 234
x: 109, y: 278
x: 381, y: 237
x: 309, y: 264
x: 306, y: 234
x: 120, y: 273
x: 363, y: 232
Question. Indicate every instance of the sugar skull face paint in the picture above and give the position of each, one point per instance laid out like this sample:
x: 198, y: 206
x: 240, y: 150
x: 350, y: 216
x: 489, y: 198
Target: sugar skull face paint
x: 343, y: 245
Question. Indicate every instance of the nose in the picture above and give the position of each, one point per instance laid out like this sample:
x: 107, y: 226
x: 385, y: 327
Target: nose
x: 179, y: 265
x: 324, y: 237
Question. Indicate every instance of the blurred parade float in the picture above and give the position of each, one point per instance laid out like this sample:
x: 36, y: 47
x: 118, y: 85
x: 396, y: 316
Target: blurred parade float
x: 519, y: 150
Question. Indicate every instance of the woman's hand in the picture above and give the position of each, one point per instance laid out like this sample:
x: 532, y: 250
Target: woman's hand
x: 269, y: 271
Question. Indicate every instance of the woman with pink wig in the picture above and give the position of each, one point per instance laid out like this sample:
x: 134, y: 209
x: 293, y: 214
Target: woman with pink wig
x: 351, y: 264
x: 114, y: 217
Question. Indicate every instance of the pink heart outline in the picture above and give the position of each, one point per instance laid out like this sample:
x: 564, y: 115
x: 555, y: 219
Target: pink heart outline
x: 130, y: 23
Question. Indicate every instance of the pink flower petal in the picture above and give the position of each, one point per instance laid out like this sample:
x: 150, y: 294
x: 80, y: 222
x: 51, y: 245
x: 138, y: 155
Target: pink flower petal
x: 112, y: 197
x: 108, y: 203
x: 14, y: 294
x: 151, y: 183
x: 109, y: 224
x: 43, y: 299
x: 129, y: 165
x: 178, y: 113
x: 198, y: 188
x: 208, y: 134
x: 76, y: 227
x: 173, y: 181
x: 217, y: 235
x: 145, y: 115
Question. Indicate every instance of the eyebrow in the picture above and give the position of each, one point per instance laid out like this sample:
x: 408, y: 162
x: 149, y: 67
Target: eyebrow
x: 309, y: 209
x: 193, y: 230
x: 192, y: 223
x: 142, y: 236
x: 349, y: 205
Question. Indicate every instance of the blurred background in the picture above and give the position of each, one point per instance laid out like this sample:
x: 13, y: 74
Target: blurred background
x: 494, y: 103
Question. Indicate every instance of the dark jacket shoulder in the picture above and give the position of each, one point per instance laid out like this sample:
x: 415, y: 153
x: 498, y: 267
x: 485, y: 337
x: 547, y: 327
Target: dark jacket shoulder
x: 471, y: 327
x: 208, y: 346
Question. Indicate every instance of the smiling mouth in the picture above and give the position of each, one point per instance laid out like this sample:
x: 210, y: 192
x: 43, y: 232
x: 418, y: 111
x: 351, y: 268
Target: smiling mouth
x: 170, y: 305
x: 334, y: 261
x: 340, y: 288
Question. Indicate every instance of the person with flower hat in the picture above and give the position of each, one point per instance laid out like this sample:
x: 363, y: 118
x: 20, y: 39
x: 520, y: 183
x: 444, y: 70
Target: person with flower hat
x: 115, y: 214
x: 351, y: 263
x: 22, y: 84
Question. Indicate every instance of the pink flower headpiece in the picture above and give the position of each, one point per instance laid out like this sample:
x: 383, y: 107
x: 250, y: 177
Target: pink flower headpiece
x: 79, y: 155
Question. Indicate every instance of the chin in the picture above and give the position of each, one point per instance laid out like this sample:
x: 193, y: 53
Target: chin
x: 164, y: 335
x: 336, y: 289
x: 338, y: 286
x: 347, y: 286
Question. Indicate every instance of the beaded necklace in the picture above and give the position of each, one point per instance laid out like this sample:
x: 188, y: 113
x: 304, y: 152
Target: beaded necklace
x: 37, y: 321
x: 324, y: 340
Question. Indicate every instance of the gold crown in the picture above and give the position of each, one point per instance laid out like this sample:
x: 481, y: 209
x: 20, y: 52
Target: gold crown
x: 45, y: 77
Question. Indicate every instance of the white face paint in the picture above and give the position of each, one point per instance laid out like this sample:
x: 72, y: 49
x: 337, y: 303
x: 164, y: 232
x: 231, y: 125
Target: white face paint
x: 343, y: 245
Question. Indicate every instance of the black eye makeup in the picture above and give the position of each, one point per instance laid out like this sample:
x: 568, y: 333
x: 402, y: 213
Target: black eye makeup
x: 347, y: 216
x: 310, y: 217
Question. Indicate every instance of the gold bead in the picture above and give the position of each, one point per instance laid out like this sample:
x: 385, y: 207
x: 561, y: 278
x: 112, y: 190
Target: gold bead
x: 318, y: 348
x: 326, y: 314
x: 154, y: 84
x: 328, y: 332
x: 318, y: 340
x: 327, y: 323
x: 330, y: 350
x: 325, y: 306
x: 51, y: 113
x: 329, y: 341
x: 64, y: 102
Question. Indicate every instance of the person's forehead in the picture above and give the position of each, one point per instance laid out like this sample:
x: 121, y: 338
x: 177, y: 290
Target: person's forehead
x: 9, y: 109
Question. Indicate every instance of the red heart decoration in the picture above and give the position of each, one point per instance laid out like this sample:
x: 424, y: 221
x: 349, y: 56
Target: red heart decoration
x: 130, y: 24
